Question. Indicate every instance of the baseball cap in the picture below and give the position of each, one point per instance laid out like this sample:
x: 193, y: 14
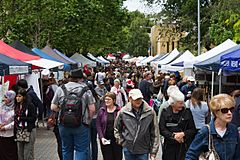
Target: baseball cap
x: 135, y: 94
x: 191, y: 79
x: 77, y: 73
x: 101, y: 82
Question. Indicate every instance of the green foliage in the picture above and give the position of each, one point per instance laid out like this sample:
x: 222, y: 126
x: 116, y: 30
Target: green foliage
x: 225, y: 22
x: 219, y: 20
x: 138, y: 38
x: 69, y: 25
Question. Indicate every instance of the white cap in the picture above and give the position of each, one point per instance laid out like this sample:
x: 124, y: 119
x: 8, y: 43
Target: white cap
x: 176, y: 96
x: 191, y: 79
x: 135, y: 94
x: 172, y: 89
x: 45, y: 72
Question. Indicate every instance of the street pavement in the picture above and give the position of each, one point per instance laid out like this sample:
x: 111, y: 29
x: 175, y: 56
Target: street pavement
x: 46, y: 146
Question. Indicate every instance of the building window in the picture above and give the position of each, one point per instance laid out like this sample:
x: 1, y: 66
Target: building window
x: 167, y: 47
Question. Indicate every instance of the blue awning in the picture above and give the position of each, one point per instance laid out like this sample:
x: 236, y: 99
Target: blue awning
x: 231, y: 61
x: 46, y: 56
x: 10, y: 66
x: 213, y: 64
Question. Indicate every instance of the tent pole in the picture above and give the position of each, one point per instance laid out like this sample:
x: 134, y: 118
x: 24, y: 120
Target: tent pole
x: 220, y: 84
x: 212, y: 84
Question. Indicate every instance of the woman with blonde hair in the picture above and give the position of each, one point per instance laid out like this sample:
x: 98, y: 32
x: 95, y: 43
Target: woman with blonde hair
x: 198, y: 107
x: 224, y: 135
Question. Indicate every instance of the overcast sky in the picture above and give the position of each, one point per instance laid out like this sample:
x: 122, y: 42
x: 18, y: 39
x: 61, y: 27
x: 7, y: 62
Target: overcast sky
x: 140, y: 5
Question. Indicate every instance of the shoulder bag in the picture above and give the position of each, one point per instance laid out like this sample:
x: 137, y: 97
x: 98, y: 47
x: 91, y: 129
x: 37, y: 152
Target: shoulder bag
x: 211, y: 154
x: 22, y: 135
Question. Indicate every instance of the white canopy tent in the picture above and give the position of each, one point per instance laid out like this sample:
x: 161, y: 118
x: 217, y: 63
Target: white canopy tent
x: 175, y: 53
x: 211, y: 53
x: 186, y: 56
x: 94, y: 58
x: 45, y: 63
x: 111, y: 57
x: 135, y: 59
x: 103, y: 59
x: 127, y: 56
x: 83, y: 60
x: 144, y: 61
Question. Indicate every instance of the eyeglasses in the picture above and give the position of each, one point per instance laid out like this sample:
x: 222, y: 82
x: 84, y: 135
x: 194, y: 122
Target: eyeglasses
x: 108, y: 99
x: 225, y: 110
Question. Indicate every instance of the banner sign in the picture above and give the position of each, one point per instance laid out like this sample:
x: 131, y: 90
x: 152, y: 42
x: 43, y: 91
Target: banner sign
x: 18, y: 69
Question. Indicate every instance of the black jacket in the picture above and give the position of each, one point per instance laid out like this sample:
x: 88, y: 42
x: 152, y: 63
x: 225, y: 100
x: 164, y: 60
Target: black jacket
x: 28, y: 115
x: 144, y: 87
x: 36, y: 101
x: 172, y: 150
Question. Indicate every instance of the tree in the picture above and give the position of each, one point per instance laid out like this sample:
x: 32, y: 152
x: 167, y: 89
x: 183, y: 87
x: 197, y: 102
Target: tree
x: 138, y: 37
x: 69, y: 25
x: 225, y: 22
x: 219, y: 20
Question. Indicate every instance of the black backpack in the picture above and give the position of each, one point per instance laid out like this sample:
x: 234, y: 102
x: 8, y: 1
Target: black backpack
x: 71, y: 112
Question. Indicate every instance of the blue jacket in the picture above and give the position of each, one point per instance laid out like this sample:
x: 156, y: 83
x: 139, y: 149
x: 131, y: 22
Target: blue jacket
x: 228, y: 147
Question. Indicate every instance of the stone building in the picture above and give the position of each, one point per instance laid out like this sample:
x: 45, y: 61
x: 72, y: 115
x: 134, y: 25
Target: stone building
x: 164, y: 38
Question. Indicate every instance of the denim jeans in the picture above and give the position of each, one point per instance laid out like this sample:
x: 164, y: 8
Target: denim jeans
x: 26, y: 150
x: 75, y: 139
x: 129, y: 156
x: 94, y: 145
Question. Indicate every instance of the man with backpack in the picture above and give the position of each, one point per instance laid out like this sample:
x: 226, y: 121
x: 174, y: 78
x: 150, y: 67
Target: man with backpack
x: 76, y: 106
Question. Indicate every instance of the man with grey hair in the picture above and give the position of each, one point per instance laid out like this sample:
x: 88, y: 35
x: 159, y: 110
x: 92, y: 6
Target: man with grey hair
x: 177, y: 127
x: 136, y: 128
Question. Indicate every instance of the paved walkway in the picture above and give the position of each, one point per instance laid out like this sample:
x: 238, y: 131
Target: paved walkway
x: 46, y: 146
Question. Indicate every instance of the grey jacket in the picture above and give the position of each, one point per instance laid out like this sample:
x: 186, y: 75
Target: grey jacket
x: 139, y: 136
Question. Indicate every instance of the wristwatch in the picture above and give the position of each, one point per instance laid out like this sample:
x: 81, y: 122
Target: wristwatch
x: 173, y: 135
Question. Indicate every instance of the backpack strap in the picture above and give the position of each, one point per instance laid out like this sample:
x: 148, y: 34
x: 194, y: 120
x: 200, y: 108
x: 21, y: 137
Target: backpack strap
x: 66, y: 92
x: 86, y: 88
x: 64, y: 89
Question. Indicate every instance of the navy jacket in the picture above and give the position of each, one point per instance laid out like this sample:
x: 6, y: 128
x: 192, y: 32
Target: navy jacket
x: 228, y: 147
x: 35, y: 100
x: 236, y: 113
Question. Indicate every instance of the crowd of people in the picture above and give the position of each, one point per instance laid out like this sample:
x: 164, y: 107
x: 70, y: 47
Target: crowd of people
x: 131, y: 111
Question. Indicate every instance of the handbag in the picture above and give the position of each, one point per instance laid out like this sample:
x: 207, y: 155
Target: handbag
x: 211, y: 154
x: 51, y: 122
x: 22, y: 136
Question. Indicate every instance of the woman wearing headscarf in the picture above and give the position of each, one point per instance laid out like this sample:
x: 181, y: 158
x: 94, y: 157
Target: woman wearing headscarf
x: 25, y: 118
x: 8, y: 145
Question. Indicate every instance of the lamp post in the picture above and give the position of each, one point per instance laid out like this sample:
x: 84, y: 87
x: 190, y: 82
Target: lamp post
x: 199, y: 38
x: 150, y: 36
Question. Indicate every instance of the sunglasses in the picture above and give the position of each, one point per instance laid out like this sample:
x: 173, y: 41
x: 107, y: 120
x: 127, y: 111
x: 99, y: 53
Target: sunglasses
x: 225, y: 110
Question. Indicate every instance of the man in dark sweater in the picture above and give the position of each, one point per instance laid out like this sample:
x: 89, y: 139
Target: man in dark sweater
x: 145, y: 85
